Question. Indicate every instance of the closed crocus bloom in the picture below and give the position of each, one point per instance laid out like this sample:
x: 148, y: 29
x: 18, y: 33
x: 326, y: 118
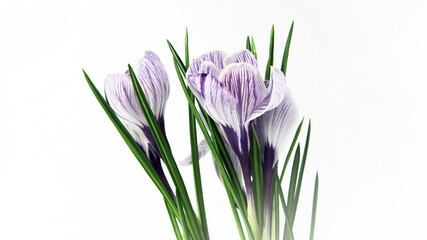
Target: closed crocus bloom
x: 233, y: 93
x: 122, y: 98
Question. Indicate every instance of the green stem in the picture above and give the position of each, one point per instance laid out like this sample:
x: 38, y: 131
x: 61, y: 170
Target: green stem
x: 173, y: 221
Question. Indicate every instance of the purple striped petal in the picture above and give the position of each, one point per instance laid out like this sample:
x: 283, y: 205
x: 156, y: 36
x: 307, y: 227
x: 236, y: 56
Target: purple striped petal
x: 153, y: 78
x: 247, y: 86
x: 276, y: 88
x: 243, y: 56
x: 273, y: 127
x: 121, y: 96
x: 195, y: 79
x: 218, y: 101
x: 216, y: 57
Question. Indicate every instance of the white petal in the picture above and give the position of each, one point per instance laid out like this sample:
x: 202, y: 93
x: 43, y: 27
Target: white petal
x: 277, y: 88
x: 273, y: 127
x: 218, y: 101
x: 203, y: 149
x: 215, y: 57
x: 153, y: 78
x: 121, y: 97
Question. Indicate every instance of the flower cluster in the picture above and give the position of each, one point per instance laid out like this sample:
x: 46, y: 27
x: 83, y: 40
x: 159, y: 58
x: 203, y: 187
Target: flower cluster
x: 245, y: 119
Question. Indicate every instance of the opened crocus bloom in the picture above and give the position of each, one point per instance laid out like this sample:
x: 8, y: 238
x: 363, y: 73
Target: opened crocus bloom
x: 122, y: 98
x: 234, y: 94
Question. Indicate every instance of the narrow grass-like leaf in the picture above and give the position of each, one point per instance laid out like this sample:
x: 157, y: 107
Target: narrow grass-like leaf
x: 187, y: 54
x: 286, y: 51
x: 222, y: 151
x: 292, y: 184
x: 253, y: 48
x: 272, y: 212
x: 182, y: 215
x: 270, y: 55
x: 228, y: 164
x: 222, y: 170
x: 257, y: 178
x: 235, y: 215
x: 177, y: 59
x: 195, y: 155
x: 314, y: 209
x: 276, y: 208
x: 288, y: 226
x: 173, y: 222
x: 291, y: 148
x: 166, y: 153
x: 134, y: 147
x: 293, y: 181
x: 248, y: 43
x: 301, y: 173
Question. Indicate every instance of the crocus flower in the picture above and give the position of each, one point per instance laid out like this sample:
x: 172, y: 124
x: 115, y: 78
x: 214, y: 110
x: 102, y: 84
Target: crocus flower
x: 233, y: 92
x: 121, y: 96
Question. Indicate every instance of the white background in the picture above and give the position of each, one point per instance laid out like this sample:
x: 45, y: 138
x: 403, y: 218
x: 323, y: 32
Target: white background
x: 356, y: 68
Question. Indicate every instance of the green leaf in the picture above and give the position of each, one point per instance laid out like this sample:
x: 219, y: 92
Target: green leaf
x: 257, y: 178
x: 177, y: 59
x: 293, y: 181
x: 271, y: 55
x: 195, y: 156
x: 276, y: 204
x: 235, y: 215
x: 182, y: 215
x: 253, y: 49
x: 166, y: 153
x: 314, y: 209
x: 286, y: 51
x: 288, y: 226
x: 301, y: 173
x: 291, y: 148
x: 223, y: 154
x: 292, y: 185
x: 173, y: 221
x: 187, y: 55
x: 134, y: 147
x: 248, y: 43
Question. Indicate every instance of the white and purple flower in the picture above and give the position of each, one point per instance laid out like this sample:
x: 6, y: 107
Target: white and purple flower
x: 235, y: 95
x: 122, y: 98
